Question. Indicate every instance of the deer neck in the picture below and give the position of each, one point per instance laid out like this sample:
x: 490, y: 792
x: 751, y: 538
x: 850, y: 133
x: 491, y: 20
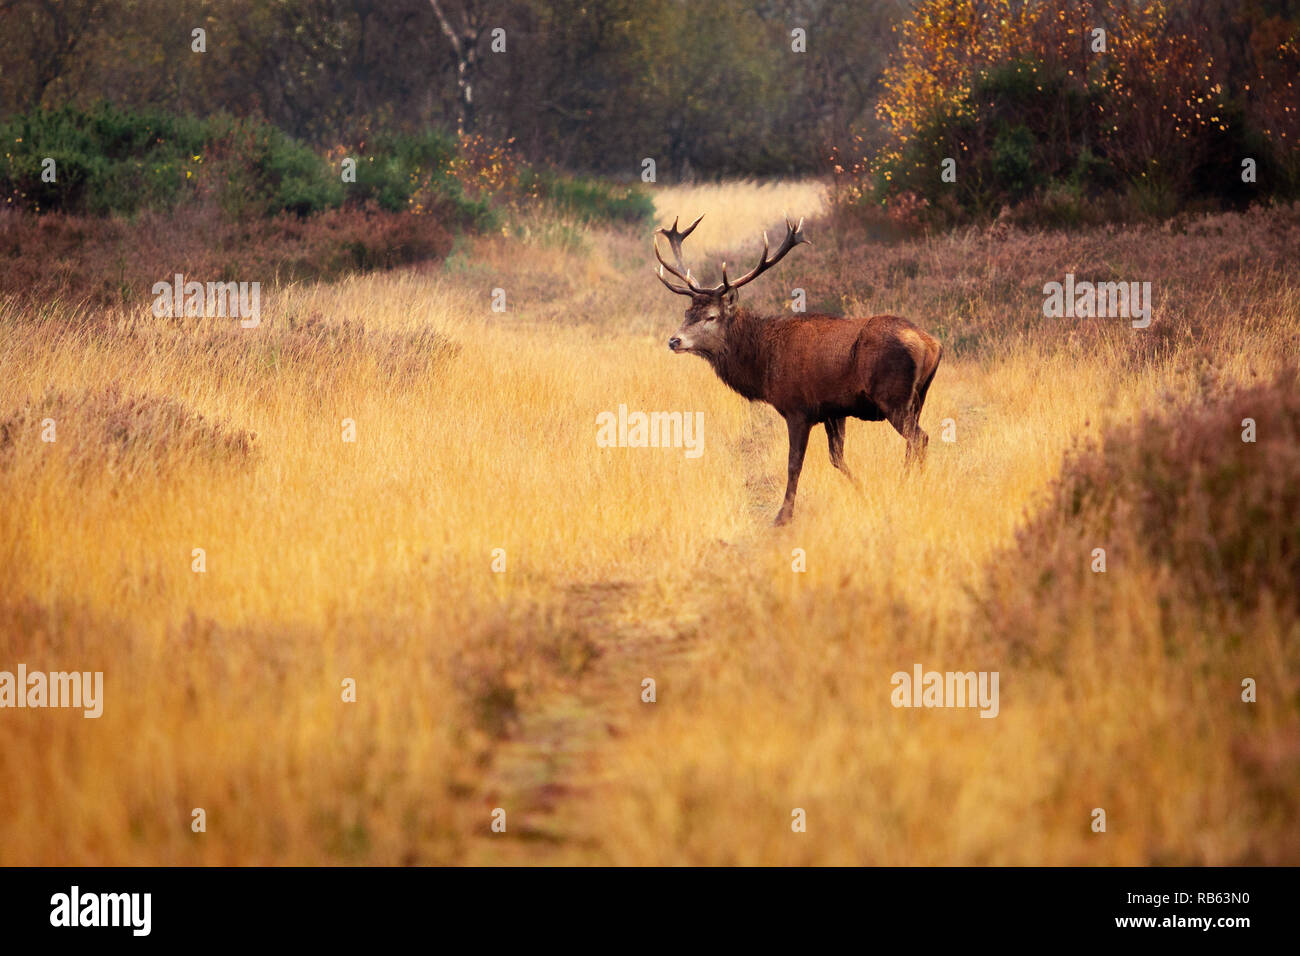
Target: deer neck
x: 743, y: 365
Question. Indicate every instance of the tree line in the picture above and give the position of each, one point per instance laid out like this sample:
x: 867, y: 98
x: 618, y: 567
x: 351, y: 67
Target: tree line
x: 708, y: 88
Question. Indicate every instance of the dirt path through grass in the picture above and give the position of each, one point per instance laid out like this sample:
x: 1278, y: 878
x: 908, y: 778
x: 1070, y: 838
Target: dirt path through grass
x: 554, y: 760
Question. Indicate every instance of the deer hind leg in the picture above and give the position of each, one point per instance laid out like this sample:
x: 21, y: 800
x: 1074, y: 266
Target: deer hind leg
x: 917, y: 442
x: 907, y: 422
x: 799, y: 428
x: 835, y: 440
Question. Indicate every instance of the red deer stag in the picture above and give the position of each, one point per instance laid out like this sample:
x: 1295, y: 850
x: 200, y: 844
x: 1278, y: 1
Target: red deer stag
x: 813, y: 369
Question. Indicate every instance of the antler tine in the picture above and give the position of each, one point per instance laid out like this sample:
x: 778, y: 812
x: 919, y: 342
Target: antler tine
x: 675, y: 237
x: 680, y: 235
x: 683, y: 275
x: 673, y: 288
x: 793, y: 237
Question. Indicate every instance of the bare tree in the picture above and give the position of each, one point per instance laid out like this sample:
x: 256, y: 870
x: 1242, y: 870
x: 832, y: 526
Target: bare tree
x: 464, y: 38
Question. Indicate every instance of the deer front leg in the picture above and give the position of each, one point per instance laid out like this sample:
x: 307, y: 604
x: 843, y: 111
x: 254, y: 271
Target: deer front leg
x: 798, y: 427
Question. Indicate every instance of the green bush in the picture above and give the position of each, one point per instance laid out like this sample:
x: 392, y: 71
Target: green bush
x: 114, y: 161
x: 106, y: 160
x: 111, y: 161
x: 1028, y: 136
x: 390, y: 168
x: 400, y: 171
x: 1014, y: 171
x: 588, y: 199
x: 266, y: 172
x: 1022, y: 129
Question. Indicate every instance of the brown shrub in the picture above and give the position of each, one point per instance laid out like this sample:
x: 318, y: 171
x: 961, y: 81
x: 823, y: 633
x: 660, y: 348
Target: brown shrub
x: 1213, y: 519
x: 112, y: 261
x: 980, y: 291
x: 310, y: 345
x: 314, y: 343
x: 106, y: 429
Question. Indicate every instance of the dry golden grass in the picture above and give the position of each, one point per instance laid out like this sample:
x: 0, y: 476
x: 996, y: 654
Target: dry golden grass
x: 737, y: 212
x: 372, y: 560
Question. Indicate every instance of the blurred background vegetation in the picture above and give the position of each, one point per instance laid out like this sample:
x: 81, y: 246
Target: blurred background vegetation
x: 1059, y: 113
x: 593, y: 85
x: 1045, y: 128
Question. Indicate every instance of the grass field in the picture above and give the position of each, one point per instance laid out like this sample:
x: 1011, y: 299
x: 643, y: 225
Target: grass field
x: 477, y: 689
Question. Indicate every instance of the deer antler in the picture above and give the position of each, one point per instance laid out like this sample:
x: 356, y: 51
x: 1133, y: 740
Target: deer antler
x: 681, y: 272
x: 793, y: 237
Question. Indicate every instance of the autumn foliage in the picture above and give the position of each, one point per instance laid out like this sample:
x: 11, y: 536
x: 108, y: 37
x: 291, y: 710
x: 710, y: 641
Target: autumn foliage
x: 1084, y: 97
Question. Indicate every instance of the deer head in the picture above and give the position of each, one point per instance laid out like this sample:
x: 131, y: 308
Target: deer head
x: 712, y: 309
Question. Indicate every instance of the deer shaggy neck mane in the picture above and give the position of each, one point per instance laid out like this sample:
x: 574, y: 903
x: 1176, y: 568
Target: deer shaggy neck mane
x: 742, y: 366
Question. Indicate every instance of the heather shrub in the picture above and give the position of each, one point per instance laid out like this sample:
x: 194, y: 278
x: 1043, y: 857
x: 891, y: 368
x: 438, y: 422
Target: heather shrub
x: 110, y: 261
x: 126, y: 435
x: 980, y: 291
x: 360, y: 240
x: 1207, y: 522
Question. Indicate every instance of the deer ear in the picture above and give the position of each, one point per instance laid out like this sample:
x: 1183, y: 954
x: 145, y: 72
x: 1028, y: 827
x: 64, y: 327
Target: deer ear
x: 731, y: 296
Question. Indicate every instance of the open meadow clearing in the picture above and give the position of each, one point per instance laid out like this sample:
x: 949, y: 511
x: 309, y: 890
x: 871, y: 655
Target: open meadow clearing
x: 498, y: 585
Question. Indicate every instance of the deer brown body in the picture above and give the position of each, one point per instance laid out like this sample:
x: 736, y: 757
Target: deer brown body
x: 813, y: 369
